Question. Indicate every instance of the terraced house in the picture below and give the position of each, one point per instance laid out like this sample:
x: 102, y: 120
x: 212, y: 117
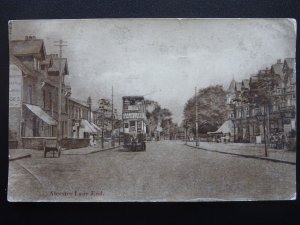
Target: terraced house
x: 263, y: 107
x: 34, y: 81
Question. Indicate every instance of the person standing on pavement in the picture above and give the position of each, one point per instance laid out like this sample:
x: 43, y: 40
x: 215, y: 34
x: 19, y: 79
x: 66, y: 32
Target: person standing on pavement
x: 91, y: 140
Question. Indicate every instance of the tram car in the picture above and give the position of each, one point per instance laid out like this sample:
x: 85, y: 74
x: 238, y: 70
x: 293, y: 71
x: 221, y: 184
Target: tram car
x: 134, y: 123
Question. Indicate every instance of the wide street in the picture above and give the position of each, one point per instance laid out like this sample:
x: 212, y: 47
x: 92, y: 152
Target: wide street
x: 166, y: 171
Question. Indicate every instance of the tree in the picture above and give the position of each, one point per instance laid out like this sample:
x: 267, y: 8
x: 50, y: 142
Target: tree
x: 211, y: 110
x: 156, y: 115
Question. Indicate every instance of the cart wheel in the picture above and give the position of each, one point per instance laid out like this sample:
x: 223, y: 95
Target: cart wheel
x: 45, y: 153
x: 58, y: 152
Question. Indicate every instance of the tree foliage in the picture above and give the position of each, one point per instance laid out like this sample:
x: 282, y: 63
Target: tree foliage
x: 211, y: 110
x: 156, y: 115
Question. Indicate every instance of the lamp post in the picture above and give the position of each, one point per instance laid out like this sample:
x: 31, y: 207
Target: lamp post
x: 186, y: 132
x: 262, y: 118
x: 232, y: 105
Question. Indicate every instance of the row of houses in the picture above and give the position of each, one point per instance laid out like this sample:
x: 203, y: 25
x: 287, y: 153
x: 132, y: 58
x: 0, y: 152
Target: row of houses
x: 34, y: 94
x: 263, y: 107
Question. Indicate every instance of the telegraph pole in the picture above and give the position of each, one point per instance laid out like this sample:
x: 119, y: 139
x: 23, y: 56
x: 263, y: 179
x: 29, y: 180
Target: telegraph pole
x: 197, y: 143
x: 112, y: 108
x: 112, y: 116
x: 60, y: 45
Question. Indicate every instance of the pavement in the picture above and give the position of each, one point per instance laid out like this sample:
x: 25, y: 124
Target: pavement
x: 16, y: 154
x: 249, y: 150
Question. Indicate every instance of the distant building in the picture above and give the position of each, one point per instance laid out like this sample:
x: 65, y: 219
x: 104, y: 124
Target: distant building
x: 80, y: 119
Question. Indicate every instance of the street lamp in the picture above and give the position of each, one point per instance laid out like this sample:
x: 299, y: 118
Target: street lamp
x: 262, y: 118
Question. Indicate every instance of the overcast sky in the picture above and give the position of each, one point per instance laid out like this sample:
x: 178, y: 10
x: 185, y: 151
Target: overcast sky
x: 162, y: 59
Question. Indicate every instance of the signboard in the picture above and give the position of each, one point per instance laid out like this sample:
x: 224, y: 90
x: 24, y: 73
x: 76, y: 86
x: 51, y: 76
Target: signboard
x: 133, y: 116
x: 15, y: 86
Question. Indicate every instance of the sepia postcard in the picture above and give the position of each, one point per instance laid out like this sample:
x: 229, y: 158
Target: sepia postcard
x: 147, y: 110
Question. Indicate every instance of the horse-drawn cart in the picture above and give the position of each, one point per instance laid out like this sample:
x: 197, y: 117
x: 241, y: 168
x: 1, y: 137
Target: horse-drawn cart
x: 52, y: 145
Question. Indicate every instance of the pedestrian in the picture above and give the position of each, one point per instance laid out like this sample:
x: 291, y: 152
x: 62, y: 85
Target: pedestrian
x: 91, y: 140
x: 94, y: 140
x: 283, y: 141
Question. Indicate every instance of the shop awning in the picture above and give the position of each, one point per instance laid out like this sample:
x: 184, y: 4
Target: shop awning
x: 95, y: 126
x: 87, y: 126
x: 227, y: 127
x: 41, y: 114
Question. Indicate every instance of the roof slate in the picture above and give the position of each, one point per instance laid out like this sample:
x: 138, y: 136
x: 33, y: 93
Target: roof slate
x: 231, y: 87
x: 28, y: 47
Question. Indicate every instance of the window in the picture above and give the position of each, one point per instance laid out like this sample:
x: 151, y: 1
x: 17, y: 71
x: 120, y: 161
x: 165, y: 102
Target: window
x: 36, y: 64
x: 132, y: 102
x: 132, y: 123
x: 126, y: 125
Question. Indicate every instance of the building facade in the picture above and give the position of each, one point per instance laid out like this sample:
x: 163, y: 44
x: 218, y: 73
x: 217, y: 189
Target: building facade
x: 263, y: 108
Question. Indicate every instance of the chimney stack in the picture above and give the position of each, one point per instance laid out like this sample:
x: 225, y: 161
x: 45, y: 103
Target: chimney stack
x: 278, y: 61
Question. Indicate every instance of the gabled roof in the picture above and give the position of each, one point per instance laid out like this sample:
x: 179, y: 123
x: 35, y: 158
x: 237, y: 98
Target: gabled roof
x: 290, y: 62
x: 278, y: 69
x: 48, y: 61
x: 55, y: 65
x: 80, y: 102
x: 231, y: 87
x: 245, y: 83
x: 28, y: 47
x: 238, y: 86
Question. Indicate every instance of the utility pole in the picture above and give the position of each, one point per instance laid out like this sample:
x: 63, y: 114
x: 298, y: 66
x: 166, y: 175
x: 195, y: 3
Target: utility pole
x: 196, y: 111
x: 112, y: 108
x: 112, y: 116
x: 60, y: 45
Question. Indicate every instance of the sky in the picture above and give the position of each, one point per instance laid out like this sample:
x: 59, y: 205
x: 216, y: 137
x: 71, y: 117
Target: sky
x: 161, y: 59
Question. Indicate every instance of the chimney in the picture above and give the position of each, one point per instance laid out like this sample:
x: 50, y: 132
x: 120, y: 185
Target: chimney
x: 33, y: 38
x: 26, y: 38
x: 278, y: 61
